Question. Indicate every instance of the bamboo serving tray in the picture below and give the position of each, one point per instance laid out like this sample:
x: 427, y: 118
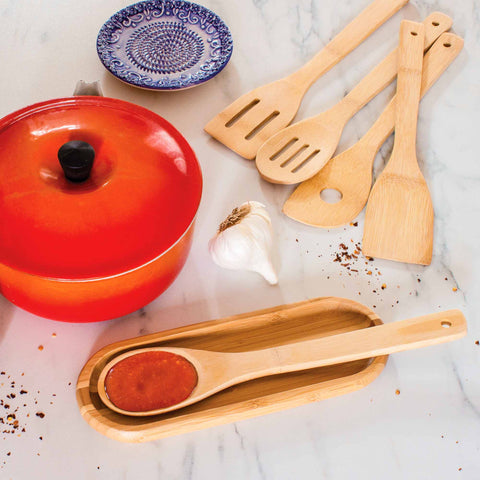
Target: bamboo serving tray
x: 255, y: 330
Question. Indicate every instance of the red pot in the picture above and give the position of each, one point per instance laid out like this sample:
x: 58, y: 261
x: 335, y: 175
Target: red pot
x: 102, y: 247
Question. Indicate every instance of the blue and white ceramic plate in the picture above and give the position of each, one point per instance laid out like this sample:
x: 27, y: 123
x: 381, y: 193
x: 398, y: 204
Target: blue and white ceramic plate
x: 164, y: 44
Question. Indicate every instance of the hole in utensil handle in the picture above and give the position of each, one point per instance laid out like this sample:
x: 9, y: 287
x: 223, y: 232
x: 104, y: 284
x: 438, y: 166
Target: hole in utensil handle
x: 76, y: 158
x: 446, y: 324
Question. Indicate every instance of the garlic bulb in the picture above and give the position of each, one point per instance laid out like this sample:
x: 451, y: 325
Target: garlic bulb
x: 244, y: 241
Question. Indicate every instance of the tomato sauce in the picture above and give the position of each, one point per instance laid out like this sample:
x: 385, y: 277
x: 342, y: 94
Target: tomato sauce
x: 150, y: 381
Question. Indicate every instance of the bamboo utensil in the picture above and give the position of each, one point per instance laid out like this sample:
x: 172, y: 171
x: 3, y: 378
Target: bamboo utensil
x: 399, y: 215
x: 350, y: 173
x: 249, y: 121
x: 266, y: 328
x: 219, y: 370
x: 299, y: 151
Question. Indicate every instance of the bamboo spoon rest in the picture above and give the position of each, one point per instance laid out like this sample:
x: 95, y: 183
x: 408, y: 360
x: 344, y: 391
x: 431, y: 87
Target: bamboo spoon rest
x: 250, y: 120
x: 273, y: 327
x: 350, y: 172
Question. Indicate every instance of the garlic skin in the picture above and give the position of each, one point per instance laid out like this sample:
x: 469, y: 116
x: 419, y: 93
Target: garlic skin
x: 244, y: 241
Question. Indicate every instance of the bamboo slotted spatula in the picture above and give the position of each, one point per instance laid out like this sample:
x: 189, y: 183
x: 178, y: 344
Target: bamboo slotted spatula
x: 350, y: 173
x: 399, y: 215
x: 249, y: 121
x: 299, y: 151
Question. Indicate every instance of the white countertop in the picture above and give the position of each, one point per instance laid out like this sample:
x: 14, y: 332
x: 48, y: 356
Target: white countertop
x: 431, y: 430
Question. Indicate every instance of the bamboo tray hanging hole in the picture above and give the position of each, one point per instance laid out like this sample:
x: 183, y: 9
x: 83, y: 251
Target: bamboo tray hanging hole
x: 254, y: 330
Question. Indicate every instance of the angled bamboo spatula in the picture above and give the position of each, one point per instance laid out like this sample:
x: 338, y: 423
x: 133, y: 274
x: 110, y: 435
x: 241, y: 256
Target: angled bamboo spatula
x: 399, y: 215
x: 299, y: 151
x: 249, y: 121
x: 350, y: 172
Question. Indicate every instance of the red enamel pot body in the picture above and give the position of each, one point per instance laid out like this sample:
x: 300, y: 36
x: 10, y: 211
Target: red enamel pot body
x: 104, y: 246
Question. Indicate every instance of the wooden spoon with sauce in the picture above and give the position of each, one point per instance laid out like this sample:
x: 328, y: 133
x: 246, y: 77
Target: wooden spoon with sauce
x: 156, y: 380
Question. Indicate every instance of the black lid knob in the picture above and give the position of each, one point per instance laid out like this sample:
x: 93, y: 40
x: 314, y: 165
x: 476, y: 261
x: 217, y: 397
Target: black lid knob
x: 76, y: 158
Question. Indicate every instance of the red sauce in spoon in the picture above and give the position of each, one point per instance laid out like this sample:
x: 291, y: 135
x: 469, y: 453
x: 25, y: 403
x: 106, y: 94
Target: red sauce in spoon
x: 150, y: 381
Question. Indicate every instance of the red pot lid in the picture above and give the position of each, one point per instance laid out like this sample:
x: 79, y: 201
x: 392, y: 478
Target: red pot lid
x: 142, y: 194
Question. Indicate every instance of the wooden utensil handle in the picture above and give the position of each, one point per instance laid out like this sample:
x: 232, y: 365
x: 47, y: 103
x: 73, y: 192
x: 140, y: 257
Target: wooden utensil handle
x: 365, y: 343
x: 349, y: 38
x: 435, y: 62
x: 384, y: 73
x: 409, y: 81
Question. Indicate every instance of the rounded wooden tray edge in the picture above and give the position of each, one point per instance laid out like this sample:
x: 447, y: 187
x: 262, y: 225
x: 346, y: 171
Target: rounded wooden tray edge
x: 219, y: 415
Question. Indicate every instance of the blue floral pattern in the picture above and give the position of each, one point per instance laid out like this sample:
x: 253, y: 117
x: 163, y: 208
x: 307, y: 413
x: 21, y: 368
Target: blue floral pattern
x: 164, y: 44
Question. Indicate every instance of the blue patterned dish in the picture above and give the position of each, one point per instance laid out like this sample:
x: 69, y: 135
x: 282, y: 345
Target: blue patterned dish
x: 164, y: 44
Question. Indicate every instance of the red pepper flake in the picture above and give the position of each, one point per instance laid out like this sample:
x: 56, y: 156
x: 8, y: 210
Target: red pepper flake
x: 397, y: 392
x: 454, y: 289
x: 40, y: 347
x: 384, y: 286
x: 54, y: 335
x: 477, y: 343
x: 369, y: 272
x: 40, y: 414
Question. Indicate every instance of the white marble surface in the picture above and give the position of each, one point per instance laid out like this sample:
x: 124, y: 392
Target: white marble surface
x: 432, y: 429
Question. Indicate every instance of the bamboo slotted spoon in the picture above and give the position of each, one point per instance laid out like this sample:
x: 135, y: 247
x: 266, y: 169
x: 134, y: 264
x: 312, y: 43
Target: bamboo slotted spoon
x: 399, y: 215
x: 220, y: 370
x: 350, y: 173
x: 299, y: 151
x: 250, y: 120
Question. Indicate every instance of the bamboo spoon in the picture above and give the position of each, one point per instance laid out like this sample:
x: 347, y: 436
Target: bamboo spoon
x: 217, y: 370
x: 399, y: 215
x: 299, y: 151
x: 245, y: 124
x: 350, y: 173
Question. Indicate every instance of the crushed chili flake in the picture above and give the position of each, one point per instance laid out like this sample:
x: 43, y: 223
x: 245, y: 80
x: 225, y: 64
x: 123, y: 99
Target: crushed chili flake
x: 40, y: 347
x: 454, y: 289
x: 40, y: 414
x: 477, y: 343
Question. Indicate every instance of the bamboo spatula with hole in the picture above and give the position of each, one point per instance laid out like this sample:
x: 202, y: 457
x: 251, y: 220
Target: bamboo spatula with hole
x: 399, y: 215
x: 299, y: 151
x: 350, y: 173
x: 245, y: 124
